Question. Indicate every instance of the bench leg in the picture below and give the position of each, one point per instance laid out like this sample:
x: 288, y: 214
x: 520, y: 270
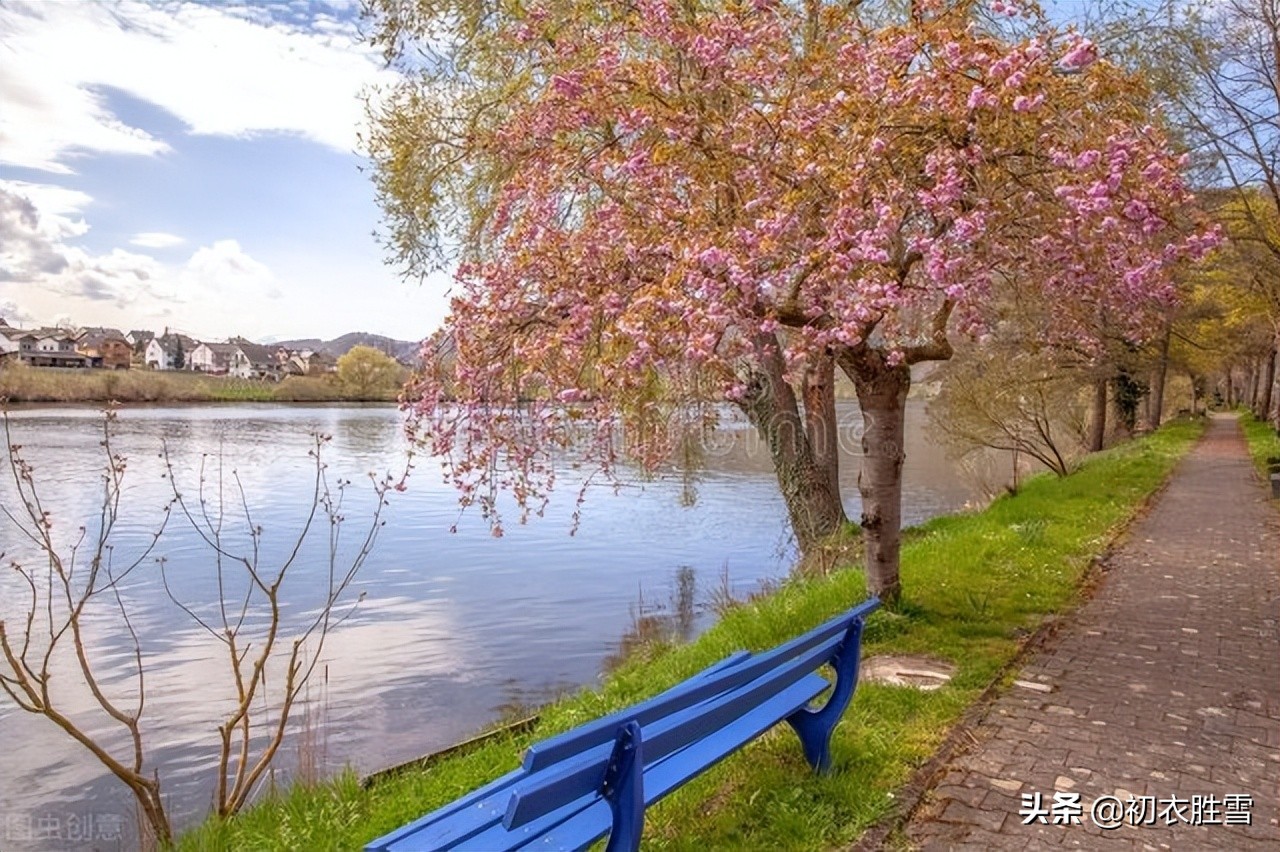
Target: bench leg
x: 623, y: 788
x: 814, y: 727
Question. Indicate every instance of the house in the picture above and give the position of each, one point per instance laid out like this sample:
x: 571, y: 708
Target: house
x: 105, y: 347
x: 320, y: 363
x: 49, y: 347
x: 259, y: 361
x: 8, y: 347
x: 219, y: 358
x: 293, y: 366
x: 6, y: 332
x: 169, y: 351
x: 308, y: 363
x: 140, y: 339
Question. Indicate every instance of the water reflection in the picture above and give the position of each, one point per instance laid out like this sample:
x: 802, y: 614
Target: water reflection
x: 455, y: 629
x: 657, y: 623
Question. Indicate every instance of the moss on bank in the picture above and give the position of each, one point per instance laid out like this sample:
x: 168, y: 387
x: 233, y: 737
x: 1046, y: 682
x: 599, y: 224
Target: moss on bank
x: 975, y: 586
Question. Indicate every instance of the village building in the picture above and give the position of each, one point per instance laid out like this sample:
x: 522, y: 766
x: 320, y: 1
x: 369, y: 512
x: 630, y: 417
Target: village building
x: 49, y: 347
x: 307, y: 362
x: 259, y: 361
x: 8, y: 347
x: 169, y: 351
x: 218, y: 358
x: 105, y: 347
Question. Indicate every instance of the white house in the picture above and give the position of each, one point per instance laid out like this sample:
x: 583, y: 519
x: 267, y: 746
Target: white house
x: 218, y: 358
x: 154, y: 356
x: 258, y: 361
x: 47, y: 347
x: 9, y: 337
x: 162, y: 351
x: 55, y: 343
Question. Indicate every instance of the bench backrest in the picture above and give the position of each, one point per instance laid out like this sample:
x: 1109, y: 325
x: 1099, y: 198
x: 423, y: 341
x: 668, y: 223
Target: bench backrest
x: 603, y: 731
x: 670, y: 722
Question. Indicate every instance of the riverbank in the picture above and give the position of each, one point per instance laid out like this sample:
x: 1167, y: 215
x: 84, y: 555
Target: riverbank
x: 21, y: 384
x: 976, y: 586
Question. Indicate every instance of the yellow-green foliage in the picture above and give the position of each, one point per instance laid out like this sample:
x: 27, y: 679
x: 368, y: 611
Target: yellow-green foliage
x: 366, y: 373
x: 975, y: 585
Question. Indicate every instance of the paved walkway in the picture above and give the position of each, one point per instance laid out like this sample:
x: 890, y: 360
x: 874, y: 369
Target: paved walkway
x: 1165, y: 684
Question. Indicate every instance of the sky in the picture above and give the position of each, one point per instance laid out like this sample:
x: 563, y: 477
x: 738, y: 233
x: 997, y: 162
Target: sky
x: 194, y: 166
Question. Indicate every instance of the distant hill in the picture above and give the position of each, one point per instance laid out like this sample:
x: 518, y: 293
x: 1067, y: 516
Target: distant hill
x: 402, y: 350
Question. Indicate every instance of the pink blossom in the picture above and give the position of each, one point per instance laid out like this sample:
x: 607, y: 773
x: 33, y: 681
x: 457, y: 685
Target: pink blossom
x: 1082, y: 54
x: 566, y: 85
x: 1022, y: 103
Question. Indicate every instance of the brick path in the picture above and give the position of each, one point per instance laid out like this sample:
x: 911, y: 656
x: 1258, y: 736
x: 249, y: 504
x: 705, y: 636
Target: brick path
x: 1166, y: 683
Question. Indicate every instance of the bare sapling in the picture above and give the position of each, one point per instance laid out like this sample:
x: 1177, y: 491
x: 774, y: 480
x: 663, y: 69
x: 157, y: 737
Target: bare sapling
x: 272, y: 633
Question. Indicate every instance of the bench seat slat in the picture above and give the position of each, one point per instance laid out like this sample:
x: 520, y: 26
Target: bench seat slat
x: 490, y: 799
x: 588, y: 823
x: 477, y: 810
x: 687, y: 694
x: 549, y: 790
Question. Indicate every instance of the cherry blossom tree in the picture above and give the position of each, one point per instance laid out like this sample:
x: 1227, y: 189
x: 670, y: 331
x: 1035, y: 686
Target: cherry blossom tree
x: 657, y: 205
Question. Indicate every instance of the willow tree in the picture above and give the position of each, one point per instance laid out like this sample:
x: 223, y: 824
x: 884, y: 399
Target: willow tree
x: 655, y: 204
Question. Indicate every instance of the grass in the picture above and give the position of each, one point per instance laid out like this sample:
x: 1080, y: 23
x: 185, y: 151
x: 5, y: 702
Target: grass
x: 975, y: 586
x: 1263, y: 440
x: 22, y: 384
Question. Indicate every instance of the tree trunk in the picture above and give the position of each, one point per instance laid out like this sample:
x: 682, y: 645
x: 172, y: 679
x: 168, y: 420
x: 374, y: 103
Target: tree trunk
x: 1231, y: 390
x: 770, y: 404
x: 1155, y: 400
x: 882, y: 396
x: 1098, y: 420
x: 1252, y: 378
x: 1268, y: 382
x: 820, y: 419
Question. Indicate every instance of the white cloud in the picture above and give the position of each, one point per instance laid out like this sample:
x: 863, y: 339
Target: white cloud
x: 221, y: 70
x: 224, y: 269
x: 13, y: 314
x: 35, y: 255
x: 31, y: 238
x: 52, y: 200
x: 42, y: 265
x: 45, y: 272
x: 156, y: 240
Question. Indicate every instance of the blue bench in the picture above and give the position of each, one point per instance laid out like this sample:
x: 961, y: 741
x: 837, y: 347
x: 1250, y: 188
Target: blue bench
x: 598, y: 778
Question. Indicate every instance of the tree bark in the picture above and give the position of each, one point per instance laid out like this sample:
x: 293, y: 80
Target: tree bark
x: 1098, y: 420
x: 820, y: 419
x: 1155, y: 400
x: 882, y: 396
x: 1252, y: 378
x: 1268, y: 383
x: 813, y: 504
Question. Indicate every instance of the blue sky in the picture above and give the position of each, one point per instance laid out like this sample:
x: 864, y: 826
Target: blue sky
x: 193, y: 166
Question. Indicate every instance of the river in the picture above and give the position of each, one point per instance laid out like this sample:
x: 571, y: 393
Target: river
x: 454, y: 629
